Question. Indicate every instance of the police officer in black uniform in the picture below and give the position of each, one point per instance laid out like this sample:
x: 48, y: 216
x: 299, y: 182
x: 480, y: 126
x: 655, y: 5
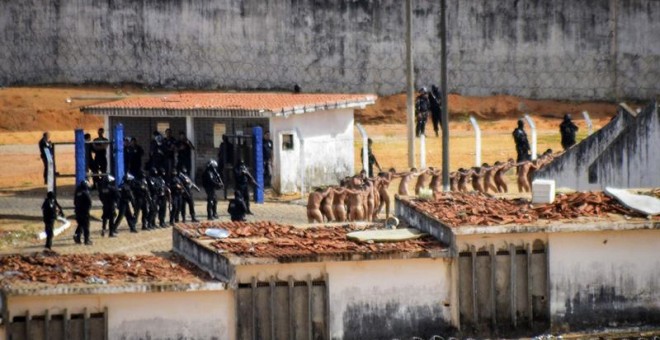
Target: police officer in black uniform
x: 134, y: 153
x: 109, y: 196
x: 176, y: 191
x: 243, y: 180
x: 126, y: 202
x: 184, y: 152
x: 422, y: 108
x: 522, y: 144
x: 50, y: 209
x: 435, y: 99
x: 82, y: 203
x: 45, y: 144
x: 211, y: 181
x: 169, y: 143
x: 157, y: 151
x: 567, y: 130
x: 142, y: 200
x: 268, y: 159
x: 187, y: 195
x: 158, y: 190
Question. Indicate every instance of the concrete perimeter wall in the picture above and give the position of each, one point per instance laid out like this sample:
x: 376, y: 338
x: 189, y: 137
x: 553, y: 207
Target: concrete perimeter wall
x: 567, y: 49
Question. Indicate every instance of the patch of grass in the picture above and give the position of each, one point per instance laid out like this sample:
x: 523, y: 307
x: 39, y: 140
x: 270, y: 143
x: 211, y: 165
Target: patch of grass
x: 18, y: 235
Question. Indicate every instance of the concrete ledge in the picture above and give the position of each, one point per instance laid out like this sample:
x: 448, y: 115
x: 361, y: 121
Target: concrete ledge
x: 424, y: 222
x: 218, y: 266
x: 91, y: 289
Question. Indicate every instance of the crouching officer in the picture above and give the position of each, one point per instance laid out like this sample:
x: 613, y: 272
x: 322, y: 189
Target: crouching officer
x: 50, y: 210
x: 126, y: 202
x: 211, y: 181
x: 82, y: 203
x: 237, y: 208
x: 109, y: 197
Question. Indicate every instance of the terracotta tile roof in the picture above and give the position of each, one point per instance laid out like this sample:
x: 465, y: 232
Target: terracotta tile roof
x: 474, y: 208
x: 52, y: 268
x: 271, y: 102
x: 273, y: 240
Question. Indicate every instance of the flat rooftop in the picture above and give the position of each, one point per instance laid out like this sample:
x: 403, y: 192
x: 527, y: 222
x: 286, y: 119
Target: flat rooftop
x: 48, y: 273
x: 286, y: 243
x: 459, y: 210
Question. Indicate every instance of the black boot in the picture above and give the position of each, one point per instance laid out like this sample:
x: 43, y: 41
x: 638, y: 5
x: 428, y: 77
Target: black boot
x: 76, y: 239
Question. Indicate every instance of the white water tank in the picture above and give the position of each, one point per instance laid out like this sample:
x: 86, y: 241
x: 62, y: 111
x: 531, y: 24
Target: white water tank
x: 543, y: 191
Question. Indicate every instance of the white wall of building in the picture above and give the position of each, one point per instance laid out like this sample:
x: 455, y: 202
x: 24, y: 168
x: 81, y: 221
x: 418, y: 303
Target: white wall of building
x: 323, y: 147
x: 189, y: 315
x: 376, y: 298
x: 604, y: 277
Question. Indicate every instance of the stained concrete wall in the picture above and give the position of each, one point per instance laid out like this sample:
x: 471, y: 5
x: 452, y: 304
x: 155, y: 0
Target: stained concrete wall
x: 571, y: 169
x: 322, y: 153
x: 146, y: 315
x: 587, y: 49
x: 605, y: 279
x: 622, y: 154
x: 377, y: 299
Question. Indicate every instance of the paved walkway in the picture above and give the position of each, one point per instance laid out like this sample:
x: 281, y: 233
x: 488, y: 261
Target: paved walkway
x: 26, y: 205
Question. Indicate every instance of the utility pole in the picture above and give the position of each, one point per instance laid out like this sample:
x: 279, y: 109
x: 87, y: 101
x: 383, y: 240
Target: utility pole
x: 410, y: 104
x: 445, y: 106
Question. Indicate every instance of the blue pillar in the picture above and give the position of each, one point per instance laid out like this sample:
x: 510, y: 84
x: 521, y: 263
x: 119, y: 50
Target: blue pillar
x: 258, y: 142
x: 118, y: 149
x: 81, y: 166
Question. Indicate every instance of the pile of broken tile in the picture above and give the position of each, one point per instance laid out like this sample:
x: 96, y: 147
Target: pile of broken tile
x: 53, y: 268
x: 269, y: 239
x: 475, y: 208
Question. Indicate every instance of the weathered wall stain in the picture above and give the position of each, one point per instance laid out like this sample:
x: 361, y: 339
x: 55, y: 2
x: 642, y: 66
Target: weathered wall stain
x: 586, y: 49
x: 393, y: 320
x: 602, y: 306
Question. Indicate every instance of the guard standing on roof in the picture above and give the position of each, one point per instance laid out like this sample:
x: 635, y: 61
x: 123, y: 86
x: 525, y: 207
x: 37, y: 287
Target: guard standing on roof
x: 522, y: 144
x: 567, y: 130
x: 50, y: 209
x: 82, y: 203
x: 422, y: 108
x: 211, y: 181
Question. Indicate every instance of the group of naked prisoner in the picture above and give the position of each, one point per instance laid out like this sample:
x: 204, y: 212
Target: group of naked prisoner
x: 362, y: 198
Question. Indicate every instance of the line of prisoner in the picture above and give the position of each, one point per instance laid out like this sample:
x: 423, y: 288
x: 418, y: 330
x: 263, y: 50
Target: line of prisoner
x: 363, y: 197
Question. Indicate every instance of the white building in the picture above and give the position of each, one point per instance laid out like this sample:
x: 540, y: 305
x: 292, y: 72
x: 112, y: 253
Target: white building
x: 312, y: 133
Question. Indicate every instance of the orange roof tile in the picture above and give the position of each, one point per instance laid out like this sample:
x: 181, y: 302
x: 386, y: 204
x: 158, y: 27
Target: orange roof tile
x: 270, y: 102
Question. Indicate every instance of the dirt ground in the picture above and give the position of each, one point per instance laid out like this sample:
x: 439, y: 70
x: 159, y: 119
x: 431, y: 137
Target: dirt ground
x: 27, y: 111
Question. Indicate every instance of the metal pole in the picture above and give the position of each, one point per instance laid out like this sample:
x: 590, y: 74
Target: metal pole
x: 590, y: 126
x: 477, y: 141
x: 365, y: 146
x: 533, y: 127
x: 410, y: 86
x: 445, y: 106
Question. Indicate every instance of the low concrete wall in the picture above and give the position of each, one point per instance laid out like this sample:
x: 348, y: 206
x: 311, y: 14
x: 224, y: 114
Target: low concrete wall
x: 424, y: 222
x: 219, y: 267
